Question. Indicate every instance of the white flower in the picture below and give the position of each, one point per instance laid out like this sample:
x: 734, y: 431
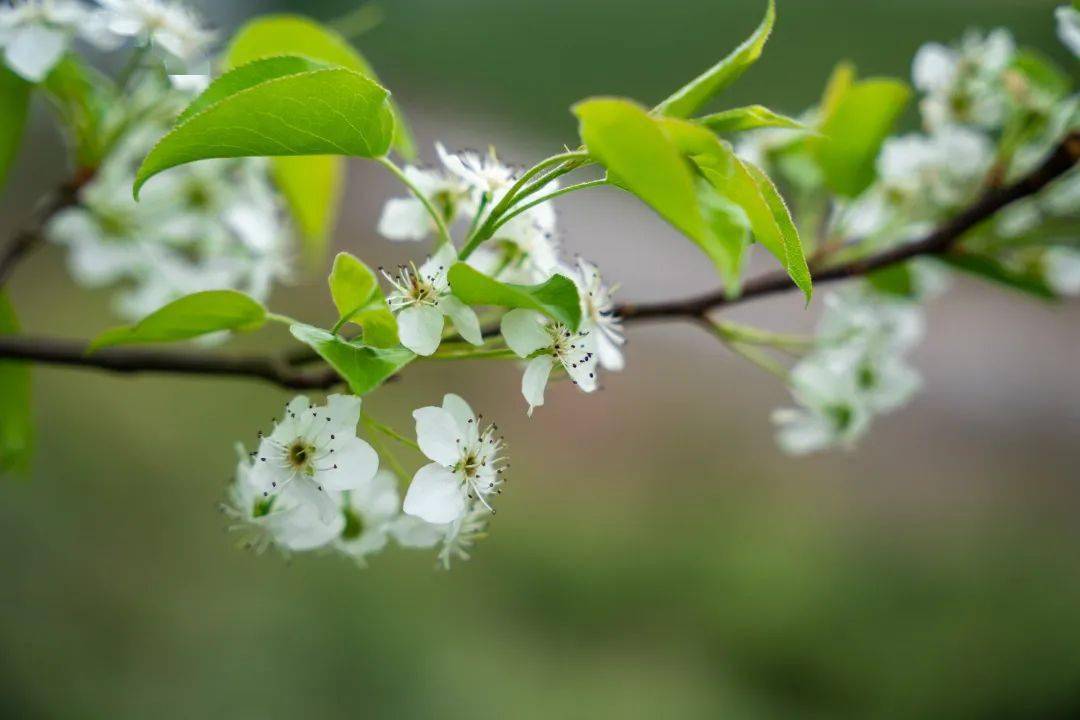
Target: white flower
x: 479, y: 173
x: 831, y: 413
x: 857, y: 315
x: 1061, y: 266
x: 527, y: 332
x: 598, y: 314
x: 421, y: 297
x: 313, y: 451
x: 370, y: 512
x: 462, y: 534
x: 965, y: 84
x: 946, y: 167
x: 169, y: 25
x: 34, y: 34
x: 408, y: 219
x: 282, y: 519
x: 1068, y: 27
x: 467, y: 462
x: 411, y: 532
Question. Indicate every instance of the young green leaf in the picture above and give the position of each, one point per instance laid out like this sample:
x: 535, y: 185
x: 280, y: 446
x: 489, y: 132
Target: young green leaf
x: 328, y: 111
x: 641, y: 158
x: 855, y: 130
x: 363, y: 368
x: 312, y: 186
x: 731, y: 228
x: 751, y: 117
x: 688, y: 99
x: 248, y: 76
x: 83, y: 97
x: 895, y: 280
x: 557, y: 297
x: 190, y: 316
x: 359, y: 299
x: 297, y: 35
x: 14, y: 100
x: 16, y: 423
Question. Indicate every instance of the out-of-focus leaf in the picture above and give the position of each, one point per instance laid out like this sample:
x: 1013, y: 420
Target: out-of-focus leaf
x: 297, y: 35
x: 331, y: 111
x: 688, y: 99
x: 191, y: 316
x: 731, y: 229
x: 1042, y: 72
x: 1026, y: 280
x: 557, y: 297
x: 840, y: 81
x: 16, y: 423
x: 359, y: 299
x: 312, y: 186
x: 82, y: 97
x: 14, y: 100
x: 855, y: 130
x: 751, y: 117
x: 363, y: 368
x: 893, y: 280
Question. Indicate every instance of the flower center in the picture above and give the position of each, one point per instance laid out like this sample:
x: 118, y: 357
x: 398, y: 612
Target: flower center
x: 299, y: 454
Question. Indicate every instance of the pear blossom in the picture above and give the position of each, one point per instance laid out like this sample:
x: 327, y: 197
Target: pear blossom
x: 858, y: 315
x: 598, y: 314
x: 169, y: 25
x: 527, y: 332
x: 462, y: 534
x: 282, y: 520
x: 1061, y: 267
x: 314, y: 452
x: 408, y: 219
x: 421, y: 298
x: 370, y: 513
x: 467, y: 463
x: 34, y: 34
x: 481, y: 174
x: 964, y: 84
x: 1068, y: 27
x: 830, y: 411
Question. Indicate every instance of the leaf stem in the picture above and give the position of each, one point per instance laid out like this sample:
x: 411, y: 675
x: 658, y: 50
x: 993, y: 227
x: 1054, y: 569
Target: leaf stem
x: 388, y: 431
x: 283, y: 319
x: 440, y: 221
x: 544, y: 198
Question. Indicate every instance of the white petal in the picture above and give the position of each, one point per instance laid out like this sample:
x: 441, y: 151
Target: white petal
x: 308, y: 492
x: 356, y: 464
x: 405, y: 219
x: 34, y: 50
x: 420, y: 328
x: 523, y: 332
x: 1068, y: 26
x: 463, y: 317
x: 535, y: 380
x: 435, y: 495
x: 609, y: 353
x: 437, y: 434
x: 343, y: 411
x: 463, y: 414
x: 934, y: 67
x: 412, y: 532
x: 302, y: 527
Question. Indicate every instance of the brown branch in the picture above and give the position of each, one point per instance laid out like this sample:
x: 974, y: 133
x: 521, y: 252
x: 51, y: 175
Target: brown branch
x: 52, y: 351
x: 939, y: 241
x: 285, y: 370
x: 29, y: 237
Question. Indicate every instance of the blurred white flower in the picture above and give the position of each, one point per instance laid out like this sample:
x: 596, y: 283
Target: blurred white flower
x: 598, y: 314
x: 857, y: 315
x: 313, y: 452
x: 463, y: 533
x: 1068, y: 27
x: 1061, y: 267
x: 964, y: 84
x: 481, y: 174
x: 34, y: 34
x: 370, y: 512
x: 945, y: 168
x: 831, y: 412
x: 530, y: 334
x: 467, y: 462
x: 421, y: 297
x: 281, y: 519
x: 171, y: 26
x: 407, y: 218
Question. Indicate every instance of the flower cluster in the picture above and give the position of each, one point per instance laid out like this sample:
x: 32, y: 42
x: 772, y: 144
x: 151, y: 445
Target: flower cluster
x: 207, y: 226
x: 313, y: 484
x: 35, y: 34
x: 523, y: 250
x: 856, y: 370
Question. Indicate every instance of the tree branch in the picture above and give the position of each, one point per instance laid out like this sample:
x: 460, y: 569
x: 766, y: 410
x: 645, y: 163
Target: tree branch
x: 26, y: 239
x: 940, y: 241
x: 285, y: 370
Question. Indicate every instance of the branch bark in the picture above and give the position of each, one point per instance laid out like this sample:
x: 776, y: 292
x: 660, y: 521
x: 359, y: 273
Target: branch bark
x: 286, y: 371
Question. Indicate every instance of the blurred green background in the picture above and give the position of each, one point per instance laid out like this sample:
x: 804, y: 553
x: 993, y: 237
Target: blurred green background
x: 654, y: 556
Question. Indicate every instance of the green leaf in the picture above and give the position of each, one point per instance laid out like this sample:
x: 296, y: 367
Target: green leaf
x: 190, y: 316
x: 893, y: 280
x: 248, y: 76
x: 329, y: 111
x: 363, y: 368
x: 731, y: 228
x: 82, y: 97
x: 751, y: 117
x: 1026, y: 280
x: 297, y: 35
x: 1042, y: 72
x: 359, y: 299
x: 557, y: 297
x: 16, y: 423
x: 688, y: 99
x: 14, y: 100
x: 641, y: 158
x: 855, y: 130
x: 312, y: 186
